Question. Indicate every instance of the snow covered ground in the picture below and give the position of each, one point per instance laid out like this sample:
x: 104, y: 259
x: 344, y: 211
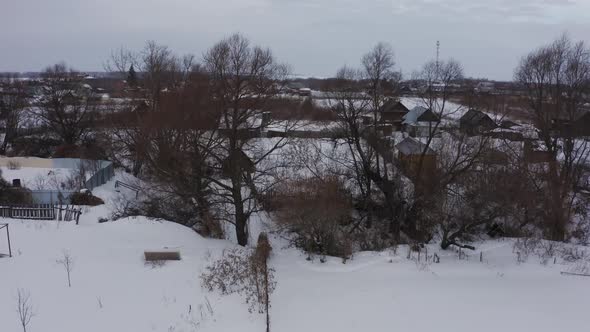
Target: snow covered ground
x: 113, y: 290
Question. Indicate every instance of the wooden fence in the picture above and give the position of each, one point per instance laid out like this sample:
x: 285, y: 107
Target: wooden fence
x: 131, y: 187
x: 41, y: 212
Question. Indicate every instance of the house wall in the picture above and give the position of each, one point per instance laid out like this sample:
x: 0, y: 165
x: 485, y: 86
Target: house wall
x: 582, y: 126
x: 419, y: 130
x: 391, y: 117
x: 411, y: 163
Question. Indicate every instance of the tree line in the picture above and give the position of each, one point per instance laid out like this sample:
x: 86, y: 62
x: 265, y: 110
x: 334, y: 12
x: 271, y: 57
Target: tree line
x: 191, y: 128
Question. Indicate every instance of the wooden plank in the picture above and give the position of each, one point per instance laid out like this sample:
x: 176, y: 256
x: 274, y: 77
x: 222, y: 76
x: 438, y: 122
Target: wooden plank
x: 575, y: 274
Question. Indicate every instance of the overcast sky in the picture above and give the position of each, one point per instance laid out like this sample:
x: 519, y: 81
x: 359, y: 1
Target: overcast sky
x: 315, y: 37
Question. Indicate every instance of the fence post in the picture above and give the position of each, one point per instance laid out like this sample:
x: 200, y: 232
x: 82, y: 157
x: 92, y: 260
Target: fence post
x: 8, y: 237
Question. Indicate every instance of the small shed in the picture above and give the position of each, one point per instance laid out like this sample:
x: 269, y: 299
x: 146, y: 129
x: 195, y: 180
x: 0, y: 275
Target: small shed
x: 411, y: 153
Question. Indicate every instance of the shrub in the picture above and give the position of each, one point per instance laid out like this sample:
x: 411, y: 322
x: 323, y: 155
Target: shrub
x: 85, y: 199
x: 11, y: 195
x: 376, y: 238
x: 241, y: 271
x: 524, y: 247
x: 317, y: 213
x: 168, y: 208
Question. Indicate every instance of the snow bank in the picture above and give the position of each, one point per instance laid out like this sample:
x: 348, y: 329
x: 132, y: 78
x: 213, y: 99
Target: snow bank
x: 113, y: 290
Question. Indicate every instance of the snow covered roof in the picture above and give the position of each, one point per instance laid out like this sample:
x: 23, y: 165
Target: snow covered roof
x: 474, y: 117
x: 412, y: 116
x: 420, y: 114
x: 411, y: 146
x: 393, y: 106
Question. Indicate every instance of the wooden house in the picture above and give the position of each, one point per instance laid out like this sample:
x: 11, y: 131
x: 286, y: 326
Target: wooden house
x: 412, y: 154
x: 393, y: 112
x: 420, y: 121
x: 475, y: 122
x: 578, y: 126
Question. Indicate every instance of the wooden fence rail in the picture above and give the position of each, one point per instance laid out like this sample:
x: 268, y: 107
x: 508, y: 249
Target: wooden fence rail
x: 134, y: 188
x: 41, y: 212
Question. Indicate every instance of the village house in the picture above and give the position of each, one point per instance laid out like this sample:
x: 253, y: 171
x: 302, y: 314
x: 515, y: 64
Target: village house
x: 475, y: 122
x: 420, y: 122
x: 393, y: 112
x: 413, y: 154
x: 579, y: 126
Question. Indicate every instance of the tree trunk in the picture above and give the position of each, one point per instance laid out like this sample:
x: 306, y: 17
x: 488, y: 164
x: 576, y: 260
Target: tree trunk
x: 241, y: 219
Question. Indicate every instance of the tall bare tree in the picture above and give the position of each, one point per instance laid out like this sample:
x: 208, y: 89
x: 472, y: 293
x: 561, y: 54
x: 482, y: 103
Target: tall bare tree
x: 364, y: 145
x: 556, y: 78
x: 160, y: 71
x: 120, y: 61
x: 66, y: 105
x: 182, y: 138
x: 243, y: 78
x: 13, y: 101
x: 378, y: 70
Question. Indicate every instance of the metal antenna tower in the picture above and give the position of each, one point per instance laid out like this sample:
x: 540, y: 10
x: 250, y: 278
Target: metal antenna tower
x: 437, y: 53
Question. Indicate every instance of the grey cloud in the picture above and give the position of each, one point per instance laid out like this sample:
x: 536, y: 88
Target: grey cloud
x: 314, y: 36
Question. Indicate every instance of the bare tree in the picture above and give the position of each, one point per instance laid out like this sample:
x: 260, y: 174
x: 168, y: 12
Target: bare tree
x: 461, y: 195
x: 66, y: 106
x: 365, y: 144
x: 120, y: 61
x: 378, y: 70
x: 67, y: 261
x: 556, y: 79
x: 437, y: 79
x: 182, y: 139
x: 246, y: 273
x: 161, y: 72
x: 243, y: 78
x: 24, y: 308
x: 13, y: 101
x: 318, y: 213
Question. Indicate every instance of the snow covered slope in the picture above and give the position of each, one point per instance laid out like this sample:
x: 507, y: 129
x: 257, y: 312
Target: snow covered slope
x: 113, y: 290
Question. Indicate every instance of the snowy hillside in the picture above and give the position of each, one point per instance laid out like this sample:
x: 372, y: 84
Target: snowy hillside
x: 113, y: 290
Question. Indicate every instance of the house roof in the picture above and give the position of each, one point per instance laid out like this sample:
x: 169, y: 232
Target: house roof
x: 474, y: 117
x: 393, y: 106
x: 508, y: 124
x: 420, y: 114
x: 411, y: 146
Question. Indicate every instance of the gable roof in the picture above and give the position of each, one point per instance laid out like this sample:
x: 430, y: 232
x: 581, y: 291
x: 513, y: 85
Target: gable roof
x: 393, y: 106
x: 420, y: 114
x: 507, y: 124
x: 411, y: 146
x: 475, y: 117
